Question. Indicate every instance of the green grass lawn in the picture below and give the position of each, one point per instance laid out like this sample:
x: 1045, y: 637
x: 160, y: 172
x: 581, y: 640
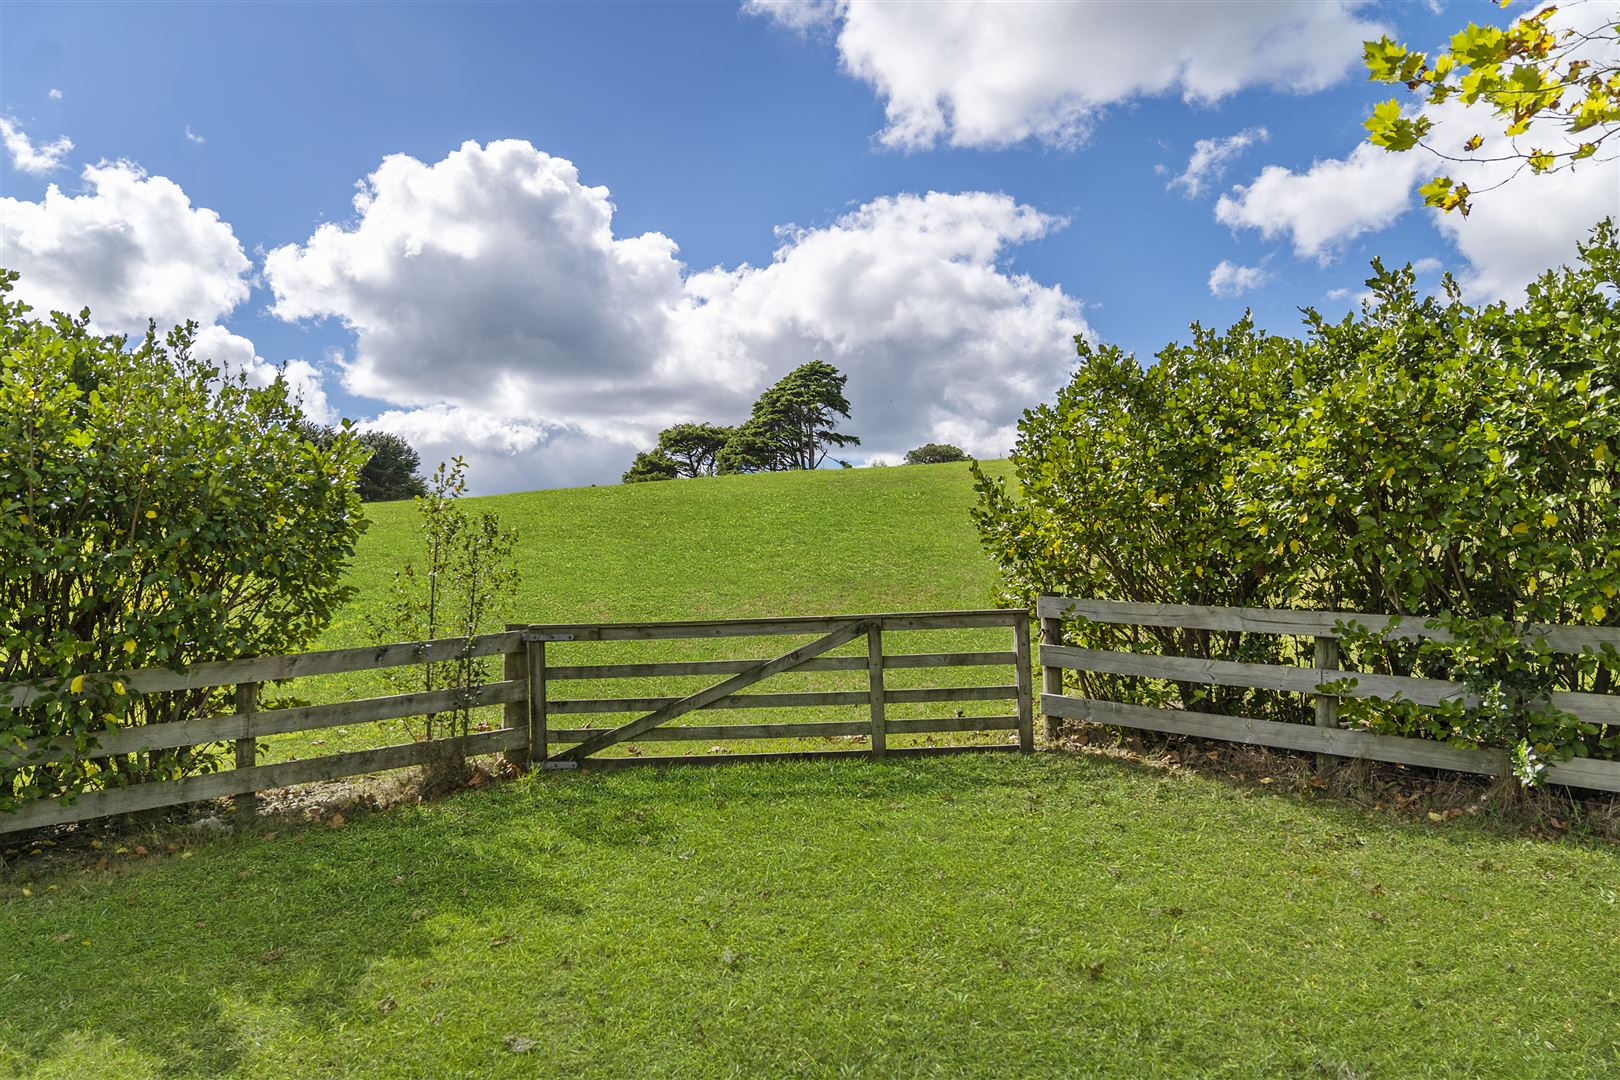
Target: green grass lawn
x: 970, y: 916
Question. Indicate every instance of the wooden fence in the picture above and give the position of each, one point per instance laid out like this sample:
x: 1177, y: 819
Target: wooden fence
x: 527, y: 736
x: 1325, y: 737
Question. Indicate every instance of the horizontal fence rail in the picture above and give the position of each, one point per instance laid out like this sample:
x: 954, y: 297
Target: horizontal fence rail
x: 1284, y: 621
x: 524, y: 736
x: 1325, y: 681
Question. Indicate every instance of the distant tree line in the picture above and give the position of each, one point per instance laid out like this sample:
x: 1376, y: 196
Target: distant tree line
x: 391, y: 469
x: 935, y: 453
x: 793, y: 425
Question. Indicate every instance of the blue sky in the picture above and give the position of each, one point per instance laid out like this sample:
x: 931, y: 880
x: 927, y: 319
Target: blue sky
x: 718, y: 128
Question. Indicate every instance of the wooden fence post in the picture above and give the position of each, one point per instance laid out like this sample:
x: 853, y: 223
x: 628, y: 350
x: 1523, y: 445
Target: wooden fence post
x: 247, y: 748
x: 516, y: 714
x: 1022, y: 677
x: 1327, y: 706
x: 874, y: 682
x: 1052, y: 677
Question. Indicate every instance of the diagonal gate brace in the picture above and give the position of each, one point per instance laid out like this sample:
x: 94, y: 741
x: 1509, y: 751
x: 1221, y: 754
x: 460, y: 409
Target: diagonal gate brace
x: 763, y: 670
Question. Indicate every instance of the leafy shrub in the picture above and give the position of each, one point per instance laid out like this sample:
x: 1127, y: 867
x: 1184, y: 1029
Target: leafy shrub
x: 465, y: 571
x: 152, y: 514
x: 1424, y: 457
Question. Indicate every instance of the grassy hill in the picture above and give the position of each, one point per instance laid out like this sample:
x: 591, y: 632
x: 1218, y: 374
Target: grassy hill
x: 800, y: 543
x: 829, y: 542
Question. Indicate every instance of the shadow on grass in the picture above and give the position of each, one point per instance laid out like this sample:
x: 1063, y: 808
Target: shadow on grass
x: 158, y: 955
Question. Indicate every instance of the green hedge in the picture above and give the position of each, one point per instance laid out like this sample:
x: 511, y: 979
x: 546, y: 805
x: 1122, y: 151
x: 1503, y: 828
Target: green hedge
x: 1425, y: 456
x: 152, y: 514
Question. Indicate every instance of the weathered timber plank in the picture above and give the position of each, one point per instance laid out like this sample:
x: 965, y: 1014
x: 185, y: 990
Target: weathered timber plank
x: 1026, y: 705
x: 1326, y: 706
x: 535, y: 690
x: 275, y: 668
x: 812, y: 730
x: 247, y: 747
x: 1306, y: 737
x: 95, y: 804
x: 792, y: 700
x: 810, y: 624
x: 1260, y: 676
x: 1327, y: 660
x: 1583, y: 773
x: 732, y: 667
x: 790, y: 755
x: 1051, y: 677
x: 874, y: 686
x: 785, y: 662
x: 693, y: 667
x: 575, y: 707
x: 515, y: 716
x: 1564, y: 639
x: 208, y: 729
x: 1593, y: 708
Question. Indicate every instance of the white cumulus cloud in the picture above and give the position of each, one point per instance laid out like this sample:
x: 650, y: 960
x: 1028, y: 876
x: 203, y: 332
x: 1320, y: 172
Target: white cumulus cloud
x: 1210, y: 157
x: 31, y: 159
x: 131, y: 248
x: 1515, y: 230
x: 1329, y: 204
x: 993, y: 74
x: 494, y: 310
x: 1228, y: 279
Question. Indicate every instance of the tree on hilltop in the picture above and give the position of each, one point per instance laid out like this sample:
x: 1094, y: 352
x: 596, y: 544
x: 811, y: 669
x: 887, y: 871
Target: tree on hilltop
x: 694, y: 447
x: 793, y: 424
x: 935, y: 454
x: 651, y: 465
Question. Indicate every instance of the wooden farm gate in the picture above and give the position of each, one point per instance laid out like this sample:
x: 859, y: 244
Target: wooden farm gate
x: 525, y: 736
x: 656, y: 715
